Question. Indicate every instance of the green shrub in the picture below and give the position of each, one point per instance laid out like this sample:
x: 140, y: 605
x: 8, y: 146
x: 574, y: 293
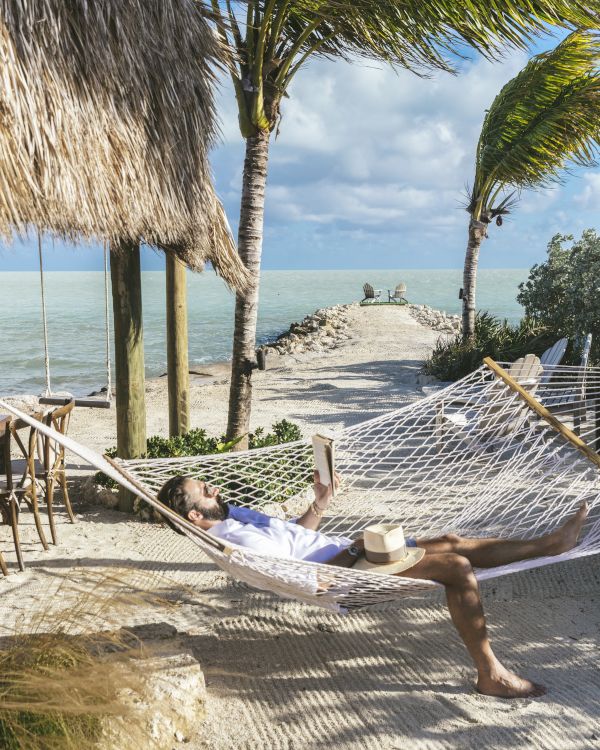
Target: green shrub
x: 454, y: 358
x: 563, y: 294
x: 239, y: 478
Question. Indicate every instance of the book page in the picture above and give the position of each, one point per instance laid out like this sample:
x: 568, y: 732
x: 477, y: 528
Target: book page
x: 323, y: 451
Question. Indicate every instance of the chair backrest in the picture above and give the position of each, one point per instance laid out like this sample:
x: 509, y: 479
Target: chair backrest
x: 368, y: 291
x: 49, y: 451
x: 26, y: 448
x: 585, y: 352
x: 554, y: 355
x: 400, y: 290
x: 527, y: 371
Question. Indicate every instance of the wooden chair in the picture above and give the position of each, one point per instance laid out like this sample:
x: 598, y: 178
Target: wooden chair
x: 18, y: 484
x: 398, y: 294
x: 50, y: 467
x: 484, y: 416
x: 371, y: 295
x: 573, y: 401
x: 553, y: 357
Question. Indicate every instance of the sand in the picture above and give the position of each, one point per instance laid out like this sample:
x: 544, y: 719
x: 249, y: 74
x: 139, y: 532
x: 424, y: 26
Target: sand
x: 282, y: 675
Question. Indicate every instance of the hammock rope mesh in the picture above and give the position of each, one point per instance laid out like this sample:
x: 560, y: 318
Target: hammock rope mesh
x: 471, y: 459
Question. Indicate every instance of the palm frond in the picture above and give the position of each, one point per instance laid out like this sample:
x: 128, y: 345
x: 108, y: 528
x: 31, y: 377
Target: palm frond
x: 545, y: 118
x: 420, y: 35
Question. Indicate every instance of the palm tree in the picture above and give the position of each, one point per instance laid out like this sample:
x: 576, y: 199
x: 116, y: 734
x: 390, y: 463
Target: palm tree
x: 543, y: 119
x: 269, y: 41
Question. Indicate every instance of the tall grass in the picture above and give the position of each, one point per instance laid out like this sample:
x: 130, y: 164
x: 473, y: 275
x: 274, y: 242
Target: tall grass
x: 64, y: 672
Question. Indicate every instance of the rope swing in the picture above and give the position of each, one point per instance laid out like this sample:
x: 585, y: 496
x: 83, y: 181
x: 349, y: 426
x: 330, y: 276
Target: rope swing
x: 47, y: 397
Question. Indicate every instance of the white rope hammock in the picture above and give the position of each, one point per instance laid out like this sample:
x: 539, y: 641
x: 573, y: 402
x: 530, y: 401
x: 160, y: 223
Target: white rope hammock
x: 473, y: 459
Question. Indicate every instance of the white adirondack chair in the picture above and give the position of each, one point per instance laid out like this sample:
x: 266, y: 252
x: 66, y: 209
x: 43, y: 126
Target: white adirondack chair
x: 553, y: 357
x: 495, y: 421
x: 572, y: 401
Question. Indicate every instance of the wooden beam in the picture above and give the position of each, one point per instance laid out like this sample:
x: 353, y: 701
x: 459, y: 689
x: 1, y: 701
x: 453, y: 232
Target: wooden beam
x: 177, y: 346
x: 130, y: 399
x: 543, y: 412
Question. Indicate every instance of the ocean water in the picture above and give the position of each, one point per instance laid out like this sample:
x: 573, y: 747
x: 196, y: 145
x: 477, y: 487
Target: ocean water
x: 75, y: 304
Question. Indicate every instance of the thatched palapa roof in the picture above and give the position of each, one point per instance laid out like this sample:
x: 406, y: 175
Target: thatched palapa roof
x: 106, y: 118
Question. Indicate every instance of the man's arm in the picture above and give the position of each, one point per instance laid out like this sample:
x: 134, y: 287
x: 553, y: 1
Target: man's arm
x: 323, y: 494
x: 347, y: 557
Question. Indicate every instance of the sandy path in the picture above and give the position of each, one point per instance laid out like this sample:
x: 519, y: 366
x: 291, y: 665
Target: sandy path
x: 289, y: 677
x: 370, y: 373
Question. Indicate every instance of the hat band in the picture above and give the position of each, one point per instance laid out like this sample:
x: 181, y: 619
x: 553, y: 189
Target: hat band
x: 386, y: 557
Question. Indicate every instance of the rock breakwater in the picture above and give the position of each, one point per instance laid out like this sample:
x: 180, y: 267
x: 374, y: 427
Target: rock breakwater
x: 438, y: 320
x: 322, y: 331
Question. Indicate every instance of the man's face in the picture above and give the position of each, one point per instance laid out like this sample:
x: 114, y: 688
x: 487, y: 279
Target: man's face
x: 207, y: 499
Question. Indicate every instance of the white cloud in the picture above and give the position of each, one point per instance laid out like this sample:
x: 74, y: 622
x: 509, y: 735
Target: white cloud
x: 589, y: 197
x: 366, y: 154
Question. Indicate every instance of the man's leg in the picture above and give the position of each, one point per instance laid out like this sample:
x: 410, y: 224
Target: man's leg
x: 489, y: 553
x: 464, y: 603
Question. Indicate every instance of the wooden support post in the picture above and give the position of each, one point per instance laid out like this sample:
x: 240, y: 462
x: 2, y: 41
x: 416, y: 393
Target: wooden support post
x: 129, y: 356
x: 543, y: 412
x: 177, y: 346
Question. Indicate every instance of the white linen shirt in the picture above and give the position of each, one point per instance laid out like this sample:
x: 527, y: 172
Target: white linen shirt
x: 255, y: 530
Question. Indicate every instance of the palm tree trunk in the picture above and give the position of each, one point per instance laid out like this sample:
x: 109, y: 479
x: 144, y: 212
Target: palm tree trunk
x: 250, y: 237
x: 477, y: 232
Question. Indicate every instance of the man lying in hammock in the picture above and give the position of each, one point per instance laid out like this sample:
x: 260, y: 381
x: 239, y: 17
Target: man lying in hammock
x: 448, y: 560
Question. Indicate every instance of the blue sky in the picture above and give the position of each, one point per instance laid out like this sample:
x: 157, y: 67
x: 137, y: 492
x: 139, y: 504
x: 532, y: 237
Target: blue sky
x: 369, y: 171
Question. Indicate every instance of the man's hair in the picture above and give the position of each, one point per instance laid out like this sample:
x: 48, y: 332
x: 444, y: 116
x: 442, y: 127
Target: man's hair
x: 173, y: 495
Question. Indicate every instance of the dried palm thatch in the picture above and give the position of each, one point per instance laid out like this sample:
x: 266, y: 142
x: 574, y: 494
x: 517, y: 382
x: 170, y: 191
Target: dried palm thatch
x: 106, y: 118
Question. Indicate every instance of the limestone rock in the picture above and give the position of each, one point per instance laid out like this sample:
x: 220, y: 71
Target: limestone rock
x: 171, y: 709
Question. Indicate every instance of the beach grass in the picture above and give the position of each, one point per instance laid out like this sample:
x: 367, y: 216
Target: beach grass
x: 65, y: 672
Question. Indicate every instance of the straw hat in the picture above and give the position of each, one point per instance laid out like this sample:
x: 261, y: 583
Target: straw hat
x: 386, y: 551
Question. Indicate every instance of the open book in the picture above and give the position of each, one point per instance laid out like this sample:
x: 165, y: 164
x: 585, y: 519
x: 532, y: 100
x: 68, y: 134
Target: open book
x: 324, y: 453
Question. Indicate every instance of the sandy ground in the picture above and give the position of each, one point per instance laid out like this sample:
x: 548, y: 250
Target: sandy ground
x: 284, y: 676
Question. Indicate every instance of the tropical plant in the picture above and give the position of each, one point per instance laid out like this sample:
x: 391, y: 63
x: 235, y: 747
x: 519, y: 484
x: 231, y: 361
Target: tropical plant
x: 269, y: 41
x: 197, y: 443
x: 544, y: 118
x: 562, y: 294
x: 452, y: 359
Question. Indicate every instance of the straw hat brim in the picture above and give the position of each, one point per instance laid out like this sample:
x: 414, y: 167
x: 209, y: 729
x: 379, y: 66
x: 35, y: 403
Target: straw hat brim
x: 412, y: 557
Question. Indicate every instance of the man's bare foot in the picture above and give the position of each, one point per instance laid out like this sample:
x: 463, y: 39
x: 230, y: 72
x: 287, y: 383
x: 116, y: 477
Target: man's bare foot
x: 504, y: 684
x: 565, y: 538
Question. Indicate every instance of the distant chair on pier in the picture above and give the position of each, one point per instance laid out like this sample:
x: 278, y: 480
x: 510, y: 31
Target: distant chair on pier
x: 371, y: 295
x: 398, y: 294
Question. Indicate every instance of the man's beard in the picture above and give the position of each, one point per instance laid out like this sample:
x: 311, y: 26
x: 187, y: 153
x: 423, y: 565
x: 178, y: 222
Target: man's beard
x: 217, y: 513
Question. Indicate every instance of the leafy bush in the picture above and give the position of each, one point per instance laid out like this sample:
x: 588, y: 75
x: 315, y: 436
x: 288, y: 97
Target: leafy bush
x: 196, y: 443
x: 563, y: 294
x: 454, y: 358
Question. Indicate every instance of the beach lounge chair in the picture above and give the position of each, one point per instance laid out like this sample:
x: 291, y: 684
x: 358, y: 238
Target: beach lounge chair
x: 371, y: 295
x: 18, y: 484
x: 398, y: 294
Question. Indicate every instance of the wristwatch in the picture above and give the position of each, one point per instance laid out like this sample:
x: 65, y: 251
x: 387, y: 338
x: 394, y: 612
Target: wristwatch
x: 353, y: 550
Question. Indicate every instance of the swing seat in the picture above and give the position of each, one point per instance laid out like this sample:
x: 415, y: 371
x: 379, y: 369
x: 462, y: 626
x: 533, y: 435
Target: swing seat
x: 87, y: 403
